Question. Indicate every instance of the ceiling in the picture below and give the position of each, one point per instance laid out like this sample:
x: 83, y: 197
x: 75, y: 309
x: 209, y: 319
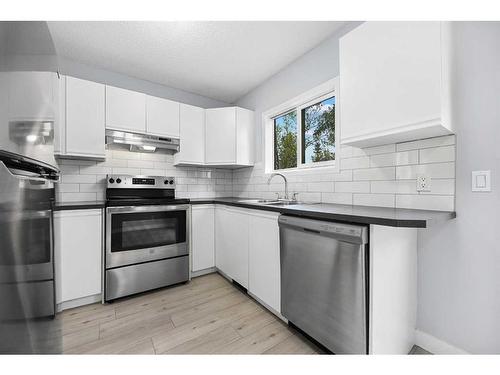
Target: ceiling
x: 220, y: 60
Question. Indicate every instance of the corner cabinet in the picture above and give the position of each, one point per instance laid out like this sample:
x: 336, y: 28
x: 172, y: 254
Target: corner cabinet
x: 394, y: 82
x: 202, y: 238
x: 125, y: 110
x: 192, y: 136
x: 80, y: 130
x: 78, y: 257
x: 229, y: 137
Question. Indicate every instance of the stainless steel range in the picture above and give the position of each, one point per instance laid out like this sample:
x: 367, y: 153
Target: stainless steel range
x: 147, y: 235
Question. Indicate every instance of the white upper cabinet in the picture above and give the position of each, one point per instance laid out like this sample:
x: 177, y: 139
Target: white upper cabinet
x: 192, y: 136
x: 81, y: 129
x: 162, y: 117
x: 394, y: 82
x: 229, y: 136
x: 31, y: 95
x: 125, y: 110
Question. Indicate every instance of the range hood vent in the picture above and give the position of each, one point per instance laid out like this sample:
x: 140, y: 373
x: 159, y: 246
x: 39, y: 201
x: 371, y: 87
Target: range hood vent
x: 142, y: 142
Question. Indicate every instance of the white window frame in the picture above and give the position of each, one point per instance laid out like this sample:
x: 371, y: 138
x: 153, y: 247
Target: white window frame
x: 313, y: 96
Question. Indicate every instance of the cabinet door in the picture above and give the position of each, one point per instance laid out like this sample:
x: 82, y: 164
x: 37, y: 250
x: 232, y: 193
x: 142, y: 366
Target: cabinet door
x: 84, y: 118
x: 125, y: 110
x: 264, y: 259
x: 203, y: 237
x: 162, y: 117
x: 232, y: 244
x: 31, y: 95
x: 245, y: 136
x: 78, y: 249
x: 192, y: 135
x: 221, y: 136
x: 390, y: 81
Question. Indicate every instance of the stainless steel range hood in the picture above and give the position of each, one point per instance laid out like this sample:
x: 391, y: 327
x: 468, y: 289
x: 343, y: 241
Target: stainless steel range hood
x: 142, y: 142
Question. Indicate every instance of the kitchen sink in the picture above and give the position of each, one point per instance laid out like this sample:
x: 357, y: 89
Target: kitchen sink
x: 271, y: 202
x: 261, y: 201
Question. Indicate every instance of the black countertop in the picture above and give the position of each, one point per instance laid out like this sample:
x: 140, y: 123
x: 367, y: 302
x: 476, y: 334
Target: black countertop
x: 82, y: 205
x: 394, y: 217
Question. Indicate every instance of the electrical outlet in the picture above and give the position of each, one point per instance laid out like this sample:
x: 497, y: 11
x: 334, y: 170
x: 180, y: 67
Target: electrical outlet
x: 423, y: 183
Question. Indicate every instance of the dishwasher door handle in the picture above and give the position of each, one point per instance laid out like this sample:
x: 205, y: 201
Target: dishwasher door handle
x: 356, y: 234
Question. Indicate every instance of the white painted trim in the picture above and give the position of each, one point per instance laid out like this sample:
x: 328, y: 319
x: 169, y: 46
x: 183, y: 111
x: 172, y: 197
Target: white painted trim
x: 434, y: 345
x: 89, y: 300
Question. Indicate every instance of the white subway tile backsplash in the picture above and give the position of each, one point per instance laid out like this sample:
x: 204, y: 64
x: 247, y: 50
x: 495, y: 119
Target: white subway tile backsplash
x: 441, y: 187
x: 338, y: 198
x: 379, y: 200
x: 437, y: 170
x: 139, y: 164
x: 352, y: 187
x: 437, y: 154
x: 95, y: 169
x: 78, y: 179
x: 131, y: 171
x: 67, y: 188
x: 375, y: 176
x: 385, y: 173
x: 320, y: 187
x: 355, y: 163
x: 426, y: 202
x: 426, y: 143
x: 367, y: 176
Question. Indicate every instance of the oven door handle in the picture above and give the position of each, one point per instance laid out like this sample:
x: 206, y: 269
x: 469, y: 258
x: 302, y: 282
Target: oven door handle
x: 132, y: 209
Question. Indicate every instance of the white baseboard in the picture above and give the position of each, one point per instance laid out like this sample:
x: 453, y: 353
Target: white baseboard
x: 203, y: 272
x: 78, y: 302
x: 435, y: 345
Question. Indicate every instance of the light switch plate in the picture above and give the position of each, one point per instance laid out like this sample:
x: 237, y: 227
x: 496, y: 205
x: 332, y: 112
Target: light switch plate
x: 481, y: 181
x: 423, y: 183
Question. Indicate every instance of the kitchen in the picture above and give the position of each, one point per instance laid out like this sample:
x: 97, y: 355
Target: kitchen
x: 306, y: 206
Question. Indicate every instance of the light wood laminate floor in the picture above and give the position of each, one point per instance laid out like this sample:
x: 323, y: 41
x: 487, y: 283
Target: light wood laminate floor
x: 205, y: 316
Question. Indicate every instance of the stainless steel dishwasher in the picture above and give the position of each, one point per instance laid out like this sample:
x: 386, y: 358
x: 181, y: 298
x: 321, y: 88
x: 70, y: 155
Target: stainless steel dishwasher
x: 324, y: 288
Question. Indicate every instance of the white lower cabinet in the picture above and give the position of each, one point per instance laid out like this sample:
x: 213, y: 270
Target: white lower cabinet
x: 77, y: 255
x: 264, y: 258
x: 231, y: 243
x: 248, y: 251
x: 202, y: 237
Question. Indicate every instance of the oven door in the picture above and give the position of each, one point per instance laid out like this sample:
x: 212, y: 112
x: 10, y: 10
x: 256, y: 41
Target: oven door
x: 26, y: 241
x: 137, y: 234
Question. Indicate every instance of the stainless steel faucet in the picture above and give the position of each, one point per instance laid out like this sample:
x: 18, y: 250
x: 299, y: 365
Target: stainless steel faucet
x: 284, y: 178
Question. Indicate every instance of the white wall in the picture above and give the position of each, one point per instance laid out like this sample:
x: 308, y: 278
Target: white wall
x: 459, y: 263
x: 315, y: 67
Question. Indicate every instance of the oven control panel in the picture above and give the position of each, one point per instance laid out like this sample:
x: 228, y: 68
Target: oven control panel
x: 139, y: 182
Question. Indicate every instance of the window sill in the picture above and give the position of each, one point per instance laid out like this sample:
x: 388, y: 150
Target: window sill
x: 329, y: 168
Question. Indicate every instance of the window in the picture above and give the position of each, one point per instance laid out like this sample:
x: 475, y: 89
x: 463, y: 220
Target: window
x: 318, y: 131
x: 285, y: 141
x: 302, y: 133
